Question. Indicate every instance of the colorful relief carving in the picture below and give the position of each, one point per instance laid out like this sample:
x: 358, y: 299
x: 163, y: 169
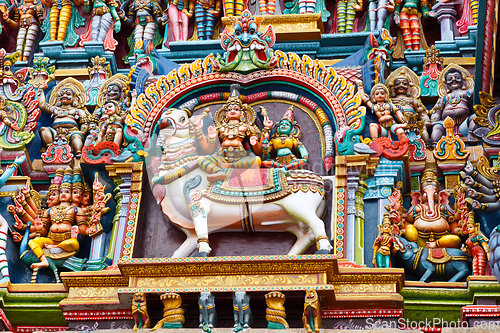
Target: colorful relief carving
x: 242, y: 313
x: 71, y: 118
x: 311, y: 317
x: 173, y: 314
x: 208, y: 315
x: 285, y: 137
x: 455, y: 91
x: 103, y: 21
x: 275, y: 311
x: 247, y: 49
x: 433, y: 66
x: 346, y: 13
x: 29, y: 13
x: 61, y: 22
x: 140, y: 312
x: 378, y: 13
x: 99, y: 73
x: 406, y: 16
x: 384, y: 244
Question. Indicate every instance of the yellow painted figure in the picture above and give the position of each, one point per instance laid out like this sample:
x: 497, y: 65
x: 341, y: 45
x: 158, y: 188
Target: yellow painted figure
x: 60, y: 220
x: 60, y: 15
x: 234, y: 124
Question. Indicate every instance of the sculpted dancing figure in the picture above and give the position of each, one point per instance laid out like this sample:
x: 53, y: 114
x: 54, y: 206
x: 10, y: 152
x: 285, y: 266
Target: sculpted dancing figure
x: 285, y: 138
x: 406, y: 17
x: 71, y: 118
x: 382, y: 106
x: 456, y: 90
x: 404, y: 86
x: 240, y: 138
x: 28, y: 25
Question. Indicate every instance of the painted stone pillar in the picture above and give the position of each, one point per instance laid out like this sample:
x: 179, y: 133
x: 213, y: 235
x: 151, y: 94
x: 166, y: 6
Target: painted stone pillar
x: 446, y: 16
x: 359, y: 223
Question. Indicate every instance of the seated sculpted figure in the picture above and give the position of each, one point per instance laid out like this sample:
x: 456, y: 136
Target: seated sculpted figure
x: 456, y: 90
x: 380, y: 103
x: 71, y: 118
x: 59, y: 220
x: 240, y: 138
x: 285, y: 138
x: 111, y: 124
x: 404, y: 86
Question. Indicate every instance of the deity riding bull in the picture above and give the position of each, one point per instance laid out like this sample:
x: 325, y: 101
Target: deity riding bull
x: 273, y: 199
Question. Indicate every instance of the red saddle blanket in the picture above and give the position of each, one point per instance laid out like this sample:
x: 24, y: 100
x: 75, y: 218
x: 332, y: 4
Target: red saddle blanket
x: 249, y: 185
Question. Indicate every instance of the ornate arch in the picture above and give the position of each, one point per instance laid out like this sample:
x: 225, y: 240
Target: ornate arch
x: 336, y: 104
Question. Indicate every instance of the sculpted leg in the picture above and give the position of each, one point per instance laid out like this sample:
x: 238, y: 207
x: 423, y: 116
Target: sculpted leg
x: 437, y: 132
x: 350, y: 16
x: 372, y: 15
x: 209, y: 28
x: 64, y: 17
x: 341, y: 16
x: 184, y: 22
x: 415, y: 32
x: 46, y: 136
x: 96, y: 23
x: 149, y: 31
x: 302, y: 6
x: 54, y: 21
x: 200, y: 18
x: 20, y: 40
x: 30, y: 40
x: 173, y: 15
x: 4, y: 268
x: 405, y: 29
x: 381, y: 14
x: 138, y: 33
x: 263, y: 7
x: 106, y: 20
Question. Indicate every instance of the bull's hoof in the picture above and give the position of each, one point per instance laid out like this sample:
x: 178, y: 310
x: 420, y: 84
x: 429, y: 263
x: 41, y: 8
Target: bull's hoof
x: 322, y: 252
x: 201, y: 254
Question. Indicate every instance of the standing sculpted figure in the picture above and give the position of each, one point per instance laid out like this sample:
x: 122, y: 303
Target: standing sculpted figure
x: 71, y: 118
x: 146, y: 16
x: 406, y: 16
x: 378, y: 10
x: 27, y: 23
x: 104, y: 20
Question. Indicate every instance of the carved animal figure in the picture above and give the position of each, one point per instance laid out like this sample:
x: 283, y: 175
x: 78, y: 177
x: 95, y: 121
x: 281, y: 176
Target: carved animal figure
x: 311, y: 318
x: 140, y: 311
x: 198, y: 216
x: 208, y: 316
x: 242, y: 313
x: 452, y: 266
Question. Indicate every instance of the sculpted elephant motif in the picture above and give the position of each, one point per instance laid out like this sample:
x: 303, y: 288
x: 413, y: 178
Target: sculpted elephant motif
x: 242, y: 312
x: 450, y: 265
x: 208, y: 316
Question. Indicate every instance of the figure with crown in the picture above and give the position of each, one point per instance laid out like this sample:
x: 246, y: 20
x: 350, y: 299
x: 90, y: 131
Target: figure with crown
x: 60, y: 220
x: 476, y: 245
x: 430, y: 221
x: 285, y: 138
x: 384, y: 244
x: 239, y: 136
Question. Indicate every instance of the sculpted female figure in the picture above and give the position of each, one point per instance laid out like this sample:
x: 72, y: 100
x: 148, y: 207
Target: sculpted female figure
x: 285, y: 138
x: 384, y: 244
x: 240, y: 138
x: 476, y: 246
x: 104, y: 19
x: 380, y: 103
x: 28, y: 25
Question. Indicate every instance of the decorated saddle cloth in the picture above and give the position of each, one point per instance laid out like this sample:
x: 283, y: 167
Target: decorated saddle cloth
x: 249, y: 185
